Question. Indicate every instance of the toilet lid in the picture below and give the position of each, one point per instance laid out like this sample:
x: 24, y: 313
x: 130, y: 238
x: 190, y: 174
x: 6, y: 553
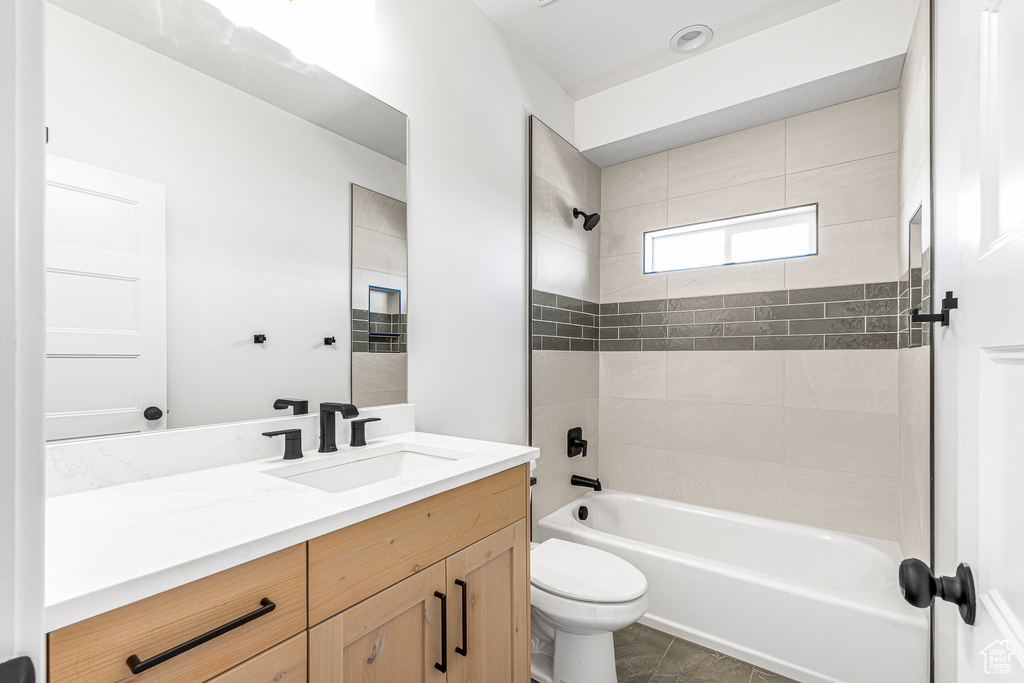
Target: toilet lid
x: 579, y: 572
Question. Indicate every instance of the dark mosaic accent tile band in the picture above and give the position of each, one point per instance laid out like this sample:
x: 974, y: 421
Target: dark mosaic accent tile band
x: 378, y: 332
x: 863, y: 316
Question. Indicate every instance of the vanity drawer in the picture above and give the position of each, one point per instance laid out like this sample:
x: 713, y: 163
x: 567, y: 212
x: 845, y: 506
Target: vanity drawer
x: 356, y: 562
x: 284, y: 663
x: 97, y: 649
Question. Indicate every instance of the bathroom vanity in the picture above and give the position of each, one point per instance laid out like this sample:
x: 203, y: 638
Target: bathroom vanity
x: 420, y: 575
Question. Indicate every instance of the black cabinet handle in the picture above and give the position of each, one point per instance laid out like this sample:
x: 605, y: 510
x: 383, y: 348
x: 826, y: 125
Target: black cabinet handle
x: 465, y: 640
x: 443, y: 666
x: 137, y: 666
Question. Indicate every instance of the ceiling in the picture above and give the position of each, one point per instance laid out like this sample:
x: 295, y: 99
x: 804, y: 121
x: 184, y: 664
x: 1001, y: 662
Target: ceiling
x: 588, y: 46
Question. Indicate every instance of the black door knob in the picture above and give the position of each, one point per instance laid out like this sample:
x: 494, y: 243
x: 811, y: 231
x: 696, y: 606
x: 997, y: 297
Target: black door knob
x: 920, y: 587
x: 152, y: 413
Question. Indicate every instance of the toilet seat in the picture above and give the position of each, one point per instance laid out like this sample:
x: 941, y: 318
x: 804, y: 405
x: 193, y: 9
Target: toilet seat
x: 578, y: 572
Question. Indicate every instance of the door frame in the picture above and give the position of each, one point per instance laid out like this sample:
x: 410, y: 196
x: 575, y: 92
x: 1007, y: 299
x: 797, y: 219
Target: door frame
x: 21, y: 342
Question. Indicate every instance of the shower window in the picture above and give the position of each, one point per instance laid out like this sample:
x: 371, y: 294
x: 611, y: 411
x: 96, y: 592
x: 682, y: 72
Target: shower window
x: 786, y: 233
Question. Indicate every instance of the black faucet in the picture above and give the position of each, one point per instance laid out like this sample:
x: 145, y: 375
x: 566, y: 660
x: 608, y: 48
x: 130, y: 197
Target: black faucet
x: 301, y: 406
x: 359, y: 431
x: 328, y: 429
x: 586, y: 482
x: 292, y: 442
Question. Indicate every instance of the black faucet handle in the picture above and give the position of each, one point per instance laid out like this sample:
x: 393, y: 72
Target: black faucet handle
x: 347, y: 410
x: 300, y: 405
x: 577, y: 445
x: 292, y: 442
x: 359, y: 431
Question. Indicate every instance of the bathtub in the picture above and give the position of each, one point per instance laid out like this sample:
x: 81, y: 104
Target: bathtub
x: 814, y: 605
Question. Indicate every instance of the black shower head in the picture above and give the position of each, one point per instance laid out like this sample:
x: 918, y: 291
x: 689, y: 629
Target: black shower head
x: 590, y: 221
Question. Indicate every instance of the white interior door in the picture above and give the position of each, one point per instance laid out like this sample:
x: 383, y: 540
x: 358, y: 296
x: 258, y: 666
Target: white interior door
x: 980, y: 157
x: 106, y: 318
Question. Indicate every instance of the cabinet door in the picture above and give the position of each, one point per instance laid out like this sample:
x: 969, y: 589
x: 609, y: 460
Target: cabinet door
x: 392, y: 637
x: 489, y: 639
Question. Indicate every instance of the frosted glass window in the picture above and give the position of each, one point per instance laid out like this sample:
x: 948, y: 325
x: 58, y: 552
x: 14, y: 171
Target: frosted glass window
x: 786, y: 233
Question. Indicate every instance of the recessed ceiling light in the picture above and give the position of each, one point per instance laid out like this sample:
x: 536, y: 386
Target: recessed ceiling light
x: 541, y: 3
x: 691, y: 38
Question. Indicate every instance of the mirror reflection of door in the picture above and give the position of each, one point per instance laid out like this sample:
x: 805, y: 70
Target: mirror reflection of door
x: 379, y: 295
x: 106, y: 296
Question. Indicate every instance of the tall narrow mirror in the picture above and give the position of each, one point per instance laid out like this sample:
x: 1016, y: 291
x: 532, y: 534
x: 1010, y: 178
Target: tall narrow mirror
x: 380, y: 291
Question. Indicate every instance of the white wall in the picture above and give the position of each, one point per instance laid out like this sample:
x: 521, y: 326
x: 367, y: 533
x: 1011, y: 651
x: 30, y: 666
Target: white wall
x: 258, y: 218
x: 21, y: 338
x: 468, y: 93
x: 832, y: 40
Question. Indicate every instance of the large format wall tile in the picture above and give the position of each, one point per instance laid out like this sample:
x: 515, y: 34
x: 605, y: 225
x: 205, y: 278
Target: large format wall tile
x: 632, y: 183
x: 634, y: 469
x: 751, y: 487
x: 855, y: 503
x: 623, y: 279
x: 732, y: 431
x: 558, y: 162
x: 915, y: 492
x: 552, y: 217
x: 861, y: 443
x: 725, y: 377
x: 859, y: 129
x: 728, y: 202
x: 633, y: 375
x: 849, y: 193
x: 622, y: 231
x: 562, y: 269
x: 559, y: 377
x: 743, y: 157
x: 633, y: 422
x: 734, y: 279
x: 857, y: 381
x: 848, y: 254
x: 379, y: 252
x: 374, y: 211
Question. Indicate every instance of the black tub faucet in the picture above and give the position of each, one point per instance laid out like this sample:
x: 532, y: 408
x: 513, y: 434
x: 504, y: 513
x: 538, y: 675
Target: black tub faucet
x: 585, y: 482
x: 301, y: 406
x: 359, y: 431
x: 328, y: 427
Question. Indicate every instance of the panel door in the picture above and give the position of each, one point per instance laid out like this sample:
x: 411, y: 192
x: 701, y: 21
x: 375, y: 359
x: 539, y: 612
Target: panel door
x: 489, y: 638
x: 392, y: 637
x: 980, y: 190
x: 106, y: 310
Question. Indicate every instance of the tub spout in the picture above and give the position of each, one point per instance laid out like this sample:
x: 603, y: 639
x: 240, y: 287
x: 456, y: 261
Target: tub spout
x: 587, y: 482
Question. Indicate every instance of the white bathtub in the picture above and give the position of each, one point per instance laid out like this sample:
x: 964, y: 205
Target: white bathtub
x: 811, y: 604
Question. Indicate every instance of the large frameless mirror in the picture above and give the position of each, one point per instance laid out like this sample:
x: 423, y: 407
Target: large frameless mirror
x: 199, y: 219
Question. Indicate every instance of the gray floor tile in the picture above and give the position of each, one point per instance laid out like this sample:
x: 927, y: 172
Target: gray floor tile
x: 762, y: 676
x: 638, y: 651
x: 686, y: 662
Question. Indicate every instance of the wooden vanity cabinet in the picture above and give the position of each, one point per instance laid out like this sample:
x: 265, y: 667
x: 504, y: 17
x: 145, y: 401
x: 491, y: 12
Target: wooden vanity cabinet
x: 436, y: 591
x: 466, y: 546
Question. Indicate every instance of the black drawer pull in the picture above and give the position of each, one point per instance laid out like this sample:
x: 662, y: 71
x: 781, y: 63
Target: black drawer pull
x: 137, y: 666
x: 443, y: 666
x: 465, y: 639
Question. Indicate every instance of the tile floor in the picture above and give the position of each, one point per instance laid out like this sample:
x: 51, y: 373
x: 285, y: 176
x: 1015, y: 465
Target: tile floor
x: 644, y: 655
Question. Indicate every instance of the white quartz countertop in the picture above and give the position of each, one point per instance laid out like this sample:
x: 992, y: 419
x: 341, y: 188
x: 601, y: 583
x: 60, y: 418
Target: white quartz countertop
x: 109, y: 547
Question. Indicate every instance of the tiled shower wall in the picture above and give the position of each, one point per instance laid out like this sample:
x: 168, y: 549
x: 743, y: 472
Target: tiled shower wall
x: 565, y: 263
x: 800, y: 422
x: 914, y: 428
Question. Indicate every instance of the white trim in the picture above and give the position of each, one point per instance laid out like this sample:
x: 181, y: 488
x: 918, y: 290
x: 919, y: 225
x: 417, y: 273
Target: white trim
x: 21, y: 339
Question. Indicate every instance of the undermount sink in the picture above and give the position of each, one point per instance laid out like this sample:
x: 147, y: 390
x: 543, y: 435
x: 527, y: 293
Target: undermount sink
x: 339, y: 473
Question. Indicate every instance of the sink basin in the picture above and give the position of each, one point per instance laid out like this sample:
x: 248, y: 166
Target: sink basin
x: 340, y: 473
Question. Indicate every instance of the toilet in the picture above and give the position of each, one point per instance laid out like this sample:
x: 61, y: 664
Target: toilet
x: 579, y: 596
